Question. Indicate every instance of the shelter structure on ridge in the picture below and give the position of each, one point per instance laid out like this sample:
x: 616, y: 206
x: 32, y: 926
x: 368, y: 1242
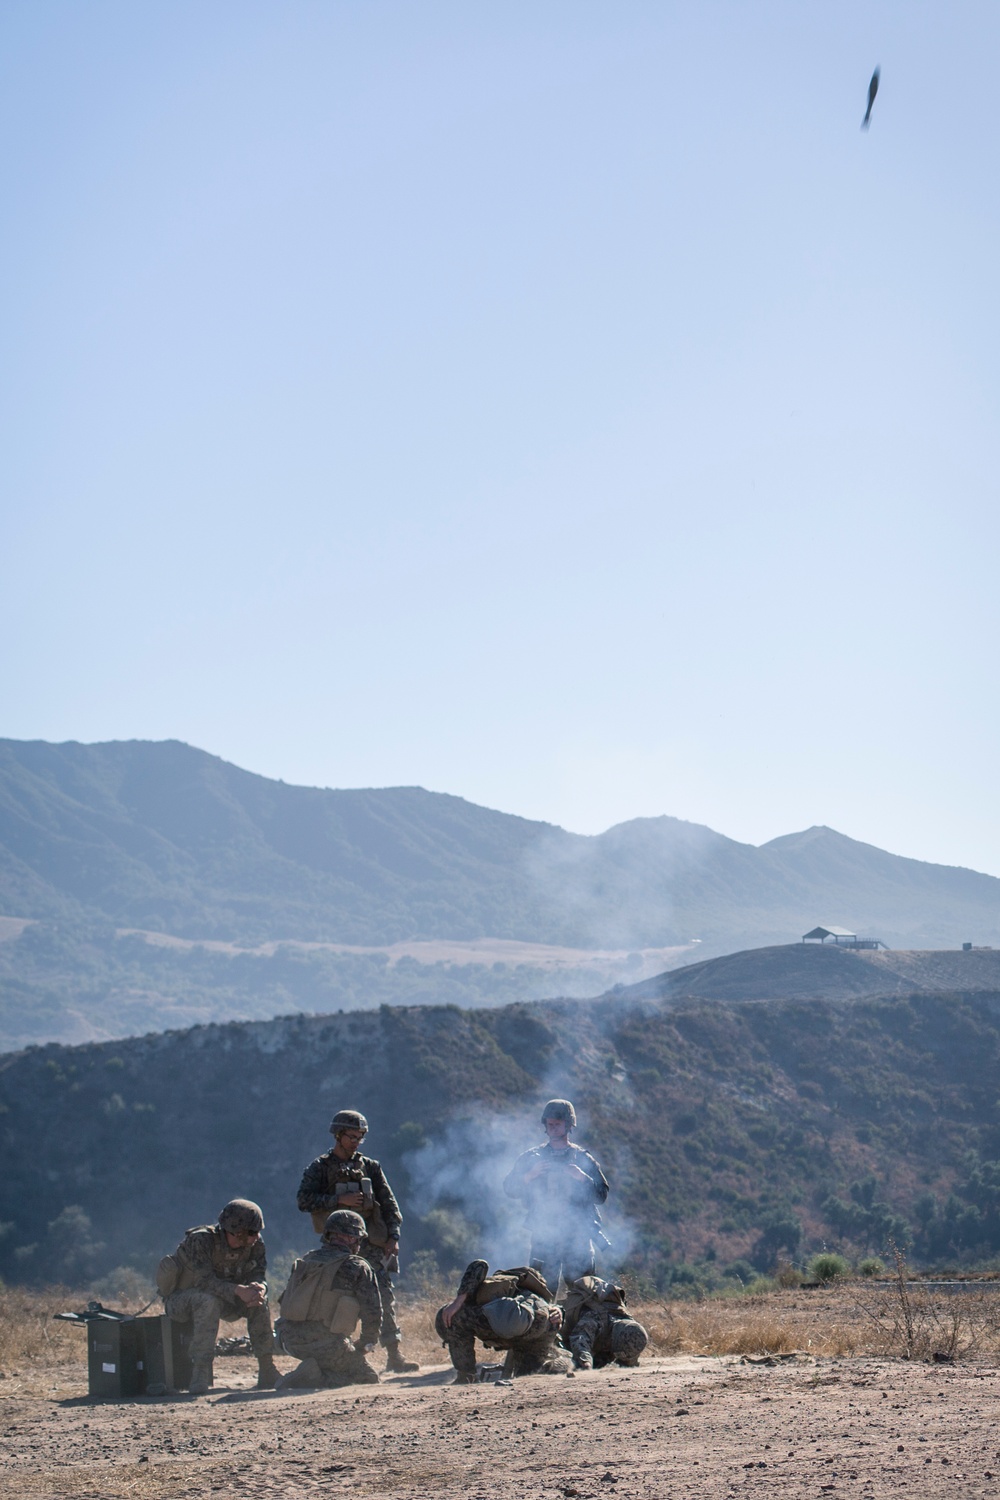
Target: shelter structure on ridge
x: 841, y: 938
x: 839, y: 935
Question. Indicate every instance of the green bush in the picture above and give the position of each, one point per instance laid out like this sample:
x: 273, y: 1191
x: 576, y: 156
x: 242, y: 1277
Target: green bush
x: 871, y: 1266
x: 740, y: 1270
x: 828, y: 1266
x: 760, y: 1285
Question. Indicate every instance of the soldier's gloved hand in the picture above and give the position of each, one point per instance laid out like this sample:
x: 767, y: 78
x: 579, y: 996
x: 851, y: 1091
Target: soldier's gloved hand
x: 253, y: 1295
x: 391, y: 1246
x: 536, y: 1172
x: 555, y: 1317
x: 351, y: 1200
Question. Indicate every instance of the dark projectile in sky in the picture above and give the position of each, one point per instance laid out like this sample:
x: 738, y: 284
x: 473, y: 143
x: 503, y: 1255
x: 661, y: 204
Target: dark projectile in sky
x: 872, y: 91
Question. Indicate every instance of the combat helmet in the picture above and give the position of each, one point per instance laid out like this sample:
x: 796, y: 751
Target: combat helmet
x: 560, y: 1109
x: 346, y: 1223
x: 508, y: 1317
x: 240, y: 1216
x: 348, y: 1119
x: 628, y: 1339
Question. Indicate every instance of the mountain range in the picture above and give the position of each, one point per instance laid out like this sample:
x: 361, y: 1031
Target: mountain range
x: 108, y: 849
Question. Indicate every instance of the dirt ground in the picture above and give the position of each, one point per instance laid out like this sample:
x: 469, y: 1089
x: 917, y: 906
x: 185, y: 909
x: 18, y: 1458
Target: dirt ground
x: 680, y: 1427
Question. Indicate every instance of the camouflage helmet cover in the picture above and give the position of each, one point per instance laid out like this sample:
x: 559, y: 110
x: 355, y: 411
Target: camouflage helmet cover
x: 240, y: 1216
x: 560, y: 1109
x: 346, y: 1223
x: 348, y: 1119
x: 508, y: 1317
x: 628, y: 1339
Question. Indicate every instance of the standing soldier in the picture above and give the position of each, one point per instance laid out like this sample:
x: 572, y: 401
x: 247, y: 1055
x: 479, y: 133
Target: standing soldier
x: 217, y: 1272
x: 561, y: 1186
x: 343, y: 1178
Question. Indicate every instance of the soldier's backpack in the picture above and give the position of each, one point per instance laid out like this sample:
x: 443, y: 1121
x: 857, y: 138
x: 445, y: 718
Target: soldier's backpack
x: 509, y: 1283
x: 168, y: 1274
x: 308, y: 1297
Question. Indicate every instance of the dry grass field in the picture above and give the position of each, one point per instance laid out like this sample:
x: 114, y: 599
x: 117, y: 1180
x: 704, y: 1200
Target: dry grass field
x: 801, y: 1393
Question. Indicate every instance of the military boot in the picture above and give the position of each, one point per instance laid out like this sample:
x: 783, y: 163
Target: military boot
x: 306, y: 1376
x: 396, y: 1364
x: 362, y: 1373
x: 268, y: 1373
x: 201, y: 1377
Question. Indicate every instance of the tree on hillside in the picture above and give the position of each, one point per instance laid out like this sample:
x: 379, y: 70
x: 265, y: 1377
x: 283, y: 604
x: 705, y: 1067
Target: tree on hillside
x: 866, y: 1221
x: 781, y: 1232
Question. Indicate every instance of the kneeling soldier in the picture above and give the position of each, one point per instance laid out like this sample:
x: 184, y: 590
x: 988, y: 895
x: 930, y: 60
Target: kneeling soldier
x: 512, y: 1310
x: 217, y: 1273
x: 598, y: 1327
x: 328, y: 1291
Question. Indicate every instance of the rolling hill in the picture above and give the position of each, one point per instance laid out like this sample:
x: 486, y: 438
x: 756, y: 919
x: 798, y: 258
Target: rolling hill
x: 730, y: 1132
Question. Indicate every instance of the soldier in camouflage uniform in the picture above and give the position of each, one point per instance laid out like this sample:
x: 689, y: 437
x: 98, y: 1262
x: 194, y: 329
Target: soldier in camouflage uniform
x: 343, y: 1178
x: 561, y: 1186
x: 218, y: 1274
x: 525, y: 1325
x: 598, y: 1327
x: 328, y: 1290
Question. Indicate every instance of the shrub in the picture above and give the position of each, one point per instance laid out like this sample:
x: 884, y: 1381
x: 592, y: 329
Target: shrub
x: 871, y: 1266
x: 787, y: 1276
x: 740, y: 1270
x: 759, y: 1286
x: 828, y: 1266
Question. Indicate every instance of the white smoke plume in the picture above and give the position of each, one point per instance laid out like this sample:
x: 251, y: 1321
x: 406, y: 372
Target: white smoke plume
x: 457, y: 1182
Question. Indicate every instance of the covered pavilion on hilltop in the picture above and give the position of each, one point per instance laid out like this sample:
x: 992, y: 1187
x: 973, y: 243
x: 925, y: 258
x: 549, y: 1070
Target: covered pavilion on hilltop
x: 841, y: 938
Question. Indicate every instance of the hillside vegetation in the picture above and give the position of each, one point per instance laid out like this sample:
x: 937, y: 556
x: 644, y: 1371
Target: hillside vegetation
x: 96, y: 840
x: 734, y: 1134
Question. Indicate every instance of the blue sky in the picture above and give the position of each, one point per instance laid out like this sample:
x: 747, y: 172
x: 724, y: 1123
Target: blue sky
x: 565, y: 405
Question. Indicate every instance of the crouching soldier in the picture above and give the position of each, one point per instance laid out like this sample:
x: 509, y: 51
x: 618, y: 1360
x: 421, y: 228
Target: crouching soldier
x: 598, y: 1326
x: 217, y: 1273
x: 343, y: 1178
x: 513, y: 1311
x: 329, y: 1290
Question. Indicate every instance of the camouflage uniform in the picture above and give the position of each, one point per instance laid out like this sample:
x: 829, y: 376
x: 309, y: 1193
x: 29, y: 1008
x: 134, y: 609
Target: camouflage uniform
x: 563, y: 1216
x: 535, y: 1352
x: 318, y: 1196
x: 340, y: 1359
x: 597, y: 1325
x: 209, y: 1269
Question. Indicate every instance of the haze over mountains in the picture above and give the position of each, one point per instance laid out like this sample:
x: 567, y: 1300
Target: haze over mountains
x: 166, y: 839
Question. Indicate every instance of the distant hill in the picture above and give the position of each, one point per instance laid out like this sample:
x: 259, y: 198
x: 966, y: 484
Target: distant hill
x: 805, y: 971
x: 730, y: 1132
x: 163, y: 838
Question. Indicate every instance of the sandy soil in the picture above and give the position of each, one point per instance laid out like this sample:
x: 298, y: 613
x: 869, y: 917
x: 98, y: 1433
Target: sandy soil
x: 677, y: 1428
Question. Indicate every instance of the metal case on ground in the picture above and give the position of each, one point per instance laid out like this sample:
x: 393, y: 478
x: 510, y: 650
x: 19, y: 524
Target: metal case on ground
x: 126, y: 1356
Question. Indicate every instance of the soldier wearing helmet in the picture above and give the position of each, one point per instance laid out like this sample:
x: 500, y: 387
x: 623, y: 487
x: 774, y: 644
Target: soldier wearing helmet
x: 561, y: 1187
x: 217, y: 1274
x: 507, y: 1311
x: 598, y: 1326
x: 329, y: 1290
x: 344, y: 1179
